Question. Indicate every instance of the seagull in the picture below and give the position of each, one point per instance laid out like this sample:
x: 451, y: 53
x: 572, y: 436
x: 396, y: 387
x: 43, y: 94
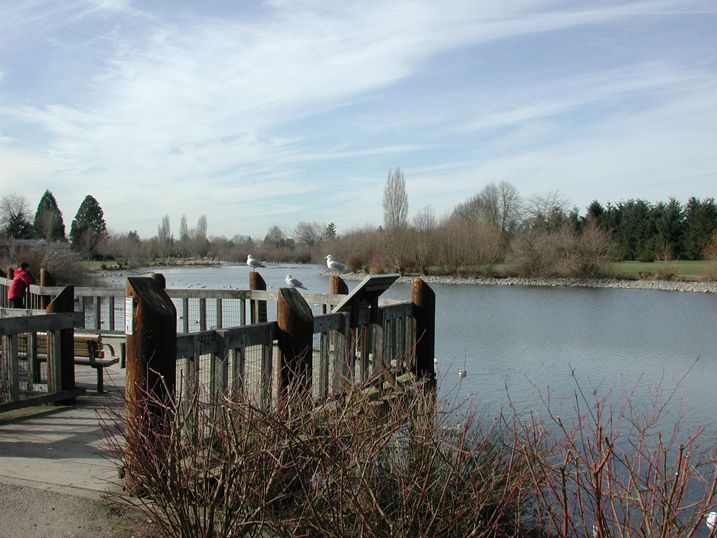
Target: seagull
x: 253, y: 263
x: 333, y: 265
x: 711, y: 521
x: 294, y: 282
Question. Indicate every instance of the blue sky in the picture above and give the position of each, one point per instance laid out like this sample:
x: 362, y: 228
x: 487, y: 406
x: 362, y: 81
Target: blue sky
x: 262, y: 113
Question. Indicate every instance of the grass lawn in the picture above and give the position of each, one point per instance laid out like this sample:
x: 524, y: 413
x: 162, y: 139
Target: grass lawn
x: 690, y: 268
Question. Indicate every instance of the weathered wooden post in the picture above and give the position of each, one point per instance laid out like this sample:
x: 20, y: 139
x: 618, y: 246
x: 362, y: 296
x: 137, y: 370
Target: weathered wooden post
x: 151, y: 353
x: 424, y: 307
x: 46, y: 279
x: 258, y: 308
x: 295, y: 340
x: 338, y: 286
x: 3, y: 298
x: 64, y: 302
x: 151, y: 335
x: 159, y: 279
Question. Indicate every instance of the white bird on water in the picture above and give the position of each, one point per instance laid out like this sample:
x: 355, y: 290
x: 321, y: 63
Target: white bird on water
x: 294, y: 282
x: 711, y: 521
x: 252, y: 262
x: 334, y: 265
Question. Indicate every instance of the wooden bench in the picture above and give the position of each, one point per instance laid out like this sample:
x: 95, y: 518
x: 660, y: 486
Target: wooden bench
x: 89, y: 350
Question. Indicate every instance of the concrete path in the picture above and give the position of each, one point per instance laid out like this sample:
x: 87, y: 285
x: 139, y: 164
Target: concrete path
x: 55, y: 467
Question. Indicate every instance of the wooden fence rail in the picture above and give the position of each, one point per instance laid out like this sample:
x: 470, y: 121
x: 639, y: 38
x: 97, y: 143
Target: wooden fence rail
x: 361, y: 339
x: 354, y: 338
x: 197, y: 309
x: 18, y: 369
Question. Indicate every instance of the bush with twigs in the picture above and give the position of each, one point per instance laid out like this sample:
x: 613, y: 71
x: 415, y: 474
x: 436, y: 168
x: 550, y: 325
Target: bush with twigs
x: 410, y: 465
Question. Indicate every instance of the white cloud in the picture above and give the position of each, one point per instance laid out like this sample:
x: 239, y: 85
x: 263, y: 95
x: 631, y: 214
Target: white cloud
x: 283, y: 110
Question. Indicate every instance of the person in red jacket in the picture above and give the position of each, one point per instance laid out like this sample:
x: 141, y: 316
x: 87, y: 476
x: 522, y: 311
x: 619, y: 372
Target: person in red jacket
x: 21, y: 280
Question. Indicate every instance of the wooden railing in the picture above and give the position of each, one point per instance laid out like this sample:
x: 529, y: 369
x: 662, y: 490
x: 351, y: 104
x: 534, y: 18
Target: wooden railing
x: 23, y: 384
x: 104, y: 309
x: 362, y: 339
x: 217, y: 352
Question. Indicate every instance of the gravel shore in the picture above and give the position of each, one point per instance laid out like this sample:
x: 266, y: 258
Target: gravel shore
x: 664, y: 285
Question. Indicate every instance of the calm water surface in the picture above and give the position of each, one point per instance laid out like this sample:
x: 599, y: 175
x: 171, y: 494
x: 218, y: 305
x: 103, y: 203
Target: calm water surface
x: 539, y: 339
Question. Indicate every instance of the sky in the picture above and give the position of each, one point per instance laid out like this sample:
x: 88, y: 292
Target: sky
x: 270, y: 113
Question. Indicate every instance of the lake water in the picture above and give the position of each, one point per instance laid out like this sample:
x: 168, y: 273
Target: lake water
x: 539, y: 339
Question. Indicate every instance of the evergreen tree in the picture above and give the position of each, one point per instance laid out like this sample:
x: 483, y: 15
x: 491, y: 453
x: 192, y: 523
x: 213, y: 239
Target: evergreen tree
x: 700, y: 223
x: 330, y: 232
x: 88, y: 227
x: 48, y: 219
x: 668, y: 222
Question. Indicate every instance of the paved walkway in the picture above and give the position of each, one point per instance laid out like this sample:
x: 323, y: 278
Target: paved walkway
x: 63, y: 448
x: 55, y: 467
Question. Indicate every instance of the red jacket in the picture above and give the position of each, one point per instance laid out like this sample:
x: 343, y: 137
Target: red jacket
x: 21, y: 279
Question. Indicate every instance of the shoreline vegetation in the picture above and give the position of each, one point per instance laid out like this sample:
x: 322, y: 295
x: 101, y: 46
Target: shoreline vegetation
x: 627, y: 282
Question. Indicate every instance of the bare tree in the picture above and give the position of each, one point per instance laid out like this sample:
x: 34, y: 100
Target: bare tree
x: 202, y: 227
x: 164, y: 237
x: 395, y: 220
x: 310, y: 233
x: 495, y: 204
x: 548, y: 210
x: 421, y: 243
x: 395, y: 201
x: 183, y: 229
x: 124, y: 249
x: 15, y: 216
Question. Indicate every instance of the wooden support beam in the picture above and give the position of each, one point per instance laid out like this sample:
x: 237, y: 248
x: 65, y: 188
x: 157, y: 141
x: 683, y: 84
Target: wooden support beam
x: 295, y: 339
x: 424, y: 308
x: 258, y: 308
x: 46, y: 279
x: 151, y: 348
x: 63, y: 302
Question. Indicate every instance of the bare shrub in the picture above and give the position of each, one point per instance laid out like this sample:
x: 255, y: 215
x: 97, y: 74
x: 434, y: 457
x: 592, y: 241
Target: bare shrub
x: 564, y: 251
x: 616, y: 469
x: 358, y: 248
x: 464, y: 246
x: 64, y: 266
x: 409, y: 465
x: 667, y: 271
x: 351, y: 466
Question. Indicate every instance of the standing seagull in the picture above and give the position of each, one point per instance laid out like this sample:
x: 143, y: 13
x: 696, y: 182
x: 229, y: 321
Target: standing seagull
x: 333, y: 265
x: 253, y: 263
x: 294, y: 282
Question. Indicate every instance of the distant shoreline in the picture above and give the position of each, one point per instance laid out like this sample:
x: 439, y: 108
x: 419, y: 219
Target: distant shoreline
x: 663, y: 285
x: 641, y: 284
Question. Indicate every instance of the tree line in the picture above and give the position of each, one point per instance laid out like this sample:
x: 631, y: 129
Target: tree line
x: 539, y: 234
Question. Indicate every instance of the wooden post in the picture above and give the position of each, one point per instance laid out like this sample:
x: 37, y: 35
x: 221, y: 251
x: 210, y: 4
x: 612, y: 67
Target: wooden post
x: 258, y: 308
x: 151, y: 353
x: 295, y: 339
x: 159, y: 279
x: 338, y: 286
x: 64, y: 302
x: 424, y: 307
x: 46, y: 280
x: 151, y: 349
